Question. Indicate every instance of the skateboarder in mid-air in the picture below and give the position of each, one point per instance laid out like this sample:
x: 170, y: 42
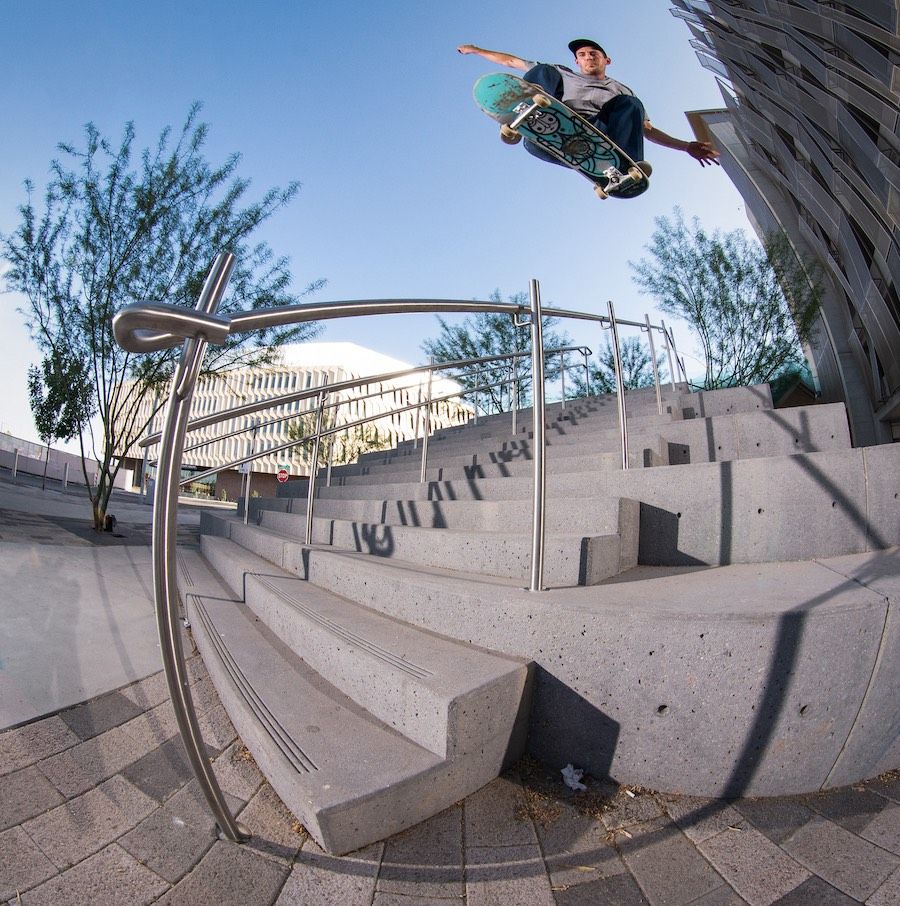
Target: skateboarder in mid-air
x: 607, y: 104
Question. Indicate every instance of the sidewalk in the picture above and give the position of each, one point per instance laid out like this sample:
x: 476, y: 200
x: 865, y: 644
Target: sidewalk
x: 97, y: 804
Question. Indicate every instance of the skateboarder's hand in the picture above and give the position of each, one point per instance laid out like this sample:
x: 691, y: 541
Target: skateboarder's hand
x: 703, y: 152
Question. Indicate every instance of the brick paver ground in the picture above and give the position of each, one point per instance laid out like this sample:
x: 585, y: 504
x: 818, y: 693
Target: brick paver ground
x: 98, y: 805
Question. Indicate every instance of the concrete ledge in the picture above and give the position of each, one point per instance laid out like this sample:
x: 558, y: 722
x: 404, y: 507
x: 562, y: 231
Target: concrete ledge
x: 750, y: 680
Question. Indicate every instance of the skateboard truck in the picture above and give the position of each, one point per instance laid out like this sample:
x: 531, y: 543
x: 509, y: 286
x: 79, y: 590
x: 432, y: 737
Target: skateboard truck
x: 508, y: 131
x: 616, y: 179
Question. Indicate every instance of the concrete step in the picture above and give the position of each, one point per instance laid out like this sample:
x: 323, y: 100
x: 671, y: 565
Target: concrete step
x: 347, y: 775
x: 579, y: 514
x: 583, y: 460
x: 646, y: 665
x: 569, y: 559
x: 646, y: 449
x: 745, y: 511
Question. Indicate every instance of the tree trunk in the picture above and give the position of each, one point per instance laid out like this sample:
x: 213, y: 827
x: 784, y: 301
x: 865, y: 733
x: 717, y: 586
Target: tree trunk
x: 46, y: 464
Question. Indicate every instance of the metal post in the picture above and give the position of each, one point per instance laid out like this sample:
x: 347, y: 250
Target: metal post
x: 427, y: 423
x: 249, y: 473
x: 165, y: 527
x: 477, y: 382
x: 620, y: 385
x: 65, y: 476
x: 540, y: 478
x: 659, y: 405
x: 418, y: 415
x: 514, y: 395
x: 562, y: 378
x: 15, y: 465
x: 668, y: 353
x: 330, y: 460
x: 587, y: 373
x: 314, y: 468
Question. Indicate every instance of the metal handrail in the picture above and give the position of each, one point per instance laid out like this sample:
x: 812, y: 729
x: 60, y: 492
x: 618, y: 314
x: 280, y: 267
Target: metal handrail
x: 154, y: 327
x: 312, y: 392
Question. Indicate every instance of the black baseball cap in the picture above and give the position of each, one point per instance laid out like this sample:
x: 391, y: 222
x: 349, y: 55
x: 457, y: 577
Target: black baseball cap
x: 585, y: 42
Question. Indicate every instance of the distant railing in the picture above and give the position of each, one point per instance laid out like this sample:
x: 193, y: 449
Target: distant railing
x: 152, y: 327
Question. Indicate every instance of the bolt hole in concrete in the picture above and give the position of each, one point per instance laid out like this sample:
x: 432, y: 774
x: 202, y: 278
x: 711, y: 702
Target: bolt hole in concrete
x: 662, y: 709
x: 803, y: 709
x: 759, y: 510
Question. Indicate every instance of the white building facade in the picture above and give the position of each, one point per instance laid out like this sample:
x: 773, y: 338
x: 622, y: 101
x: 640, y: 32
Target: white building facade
x: 309, y: 367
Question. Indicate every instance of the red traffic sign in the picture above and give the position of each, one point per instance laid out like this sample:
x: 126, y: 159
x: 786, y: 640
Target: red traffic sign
x: 282, y: 475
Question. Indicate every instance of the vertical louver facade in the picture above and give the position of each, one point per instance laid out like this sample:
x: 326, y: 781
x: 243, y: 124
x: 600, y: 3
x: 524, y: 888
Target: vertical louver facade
x: 811, y: 137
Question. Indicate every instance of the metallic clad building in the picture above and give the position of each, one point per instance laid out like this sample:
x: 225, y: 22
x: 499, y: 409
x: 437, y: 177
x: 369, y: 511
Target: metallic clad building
x: 810, y: 137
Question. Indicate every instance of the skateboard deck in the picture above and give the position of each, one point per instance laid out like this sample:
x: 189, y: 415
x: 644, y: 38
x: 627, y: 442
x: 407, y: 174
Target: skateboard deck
x: 527, y: 110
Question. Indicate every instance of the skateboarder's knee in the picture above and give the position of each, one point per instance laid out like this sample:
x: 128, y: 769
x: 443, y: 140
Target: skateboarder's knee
x: 548, y: 77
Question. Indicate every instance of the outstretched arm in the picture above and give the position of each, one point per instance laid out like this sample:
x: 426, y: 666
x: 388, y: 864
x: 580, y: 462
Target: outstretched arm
x: 496, y: 56
x: 703, y: 152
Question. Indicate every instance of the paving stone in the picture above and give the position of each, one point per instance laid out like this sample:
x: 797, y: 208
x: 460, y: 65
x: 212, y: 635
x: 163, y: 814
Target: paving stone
x: 24, y: 794
x: 111, y: 877
x: 576, y: 849
x: 496, y: 816
x: 507, y: 876
x: 22, y: 864
x: 83, y: 826
x: 167, y: 844
x: 887, y: 785
x: 228, y: 873
x: 204, y: 695
x: 884, y: 829
x: 216, y: 728
x: 149, y: 692
x: 32, y: 743
x: 815, y: 892
x: 888, y: 894
x: 383, y: 898
x: 755, y: 867
x: 95, y: 717
x: 89, y: 763
x: 850, y: 807
x: 846, y: 861
x: 153, y: 727
x: 776, y: 818
x: 665, y: 863
x: 721, y: 896
x: 620, y: 890
x: 190, y: 806
x: 317, y: 877
x: 276, y: 832
x: 237, y: 772
x: 426, y: 860
x: 627, y: 808
x: 701, y: 819
x: 161, y: 772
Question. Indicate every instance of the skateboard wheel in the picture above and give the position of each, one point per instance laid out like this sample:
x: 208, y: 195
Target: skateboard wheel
x: 509, y: 136
x: 637, y: 174
x: 601, y: 192
x: 542, y: 100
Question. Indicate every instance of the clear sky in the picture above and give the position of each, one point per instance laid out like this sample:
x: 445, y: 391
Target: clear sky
x: 406, y: 190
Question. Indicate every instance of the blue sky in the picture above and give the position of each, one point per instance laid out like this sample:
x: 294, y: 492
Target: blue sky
x: 406, y: 190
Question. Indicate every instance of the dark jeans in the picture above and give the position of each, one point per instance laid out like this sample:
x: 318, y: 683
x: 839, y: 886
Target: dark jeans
x: 621, y: 118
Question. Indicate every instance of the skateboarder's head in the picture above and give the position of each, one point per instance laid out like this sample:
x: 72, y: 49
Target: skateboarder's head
x: 590, y: 57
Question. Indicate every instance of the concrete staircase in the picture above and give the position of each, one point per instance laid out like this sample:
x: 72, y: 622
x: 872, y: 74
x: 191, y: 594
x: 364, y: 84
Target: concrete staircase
x: 397, y: 663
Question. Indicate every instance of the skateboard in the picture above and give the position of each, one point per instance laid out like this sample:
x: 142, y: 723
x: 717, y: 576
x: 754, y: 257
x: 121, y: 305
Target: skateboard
x: 525, y: 110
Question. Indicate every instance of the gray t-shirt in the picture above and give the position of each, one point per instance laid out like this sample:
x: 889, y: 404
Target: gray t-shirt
x: 587, y: 94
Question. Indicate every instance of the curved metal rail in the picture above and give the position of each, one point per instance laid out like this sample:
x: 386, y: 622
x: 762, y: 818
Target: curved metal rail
x: 154, y: 327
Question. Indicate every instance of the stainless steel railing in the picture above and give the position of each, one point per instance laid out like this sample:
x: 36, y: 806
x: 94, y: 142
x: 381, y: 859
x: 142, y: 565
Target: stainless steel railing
x: 154, y: 326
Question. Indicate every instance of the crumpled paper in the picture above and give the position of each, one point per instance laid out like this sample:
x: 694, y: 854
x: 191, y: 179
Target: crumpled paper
x: 572, y: 777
